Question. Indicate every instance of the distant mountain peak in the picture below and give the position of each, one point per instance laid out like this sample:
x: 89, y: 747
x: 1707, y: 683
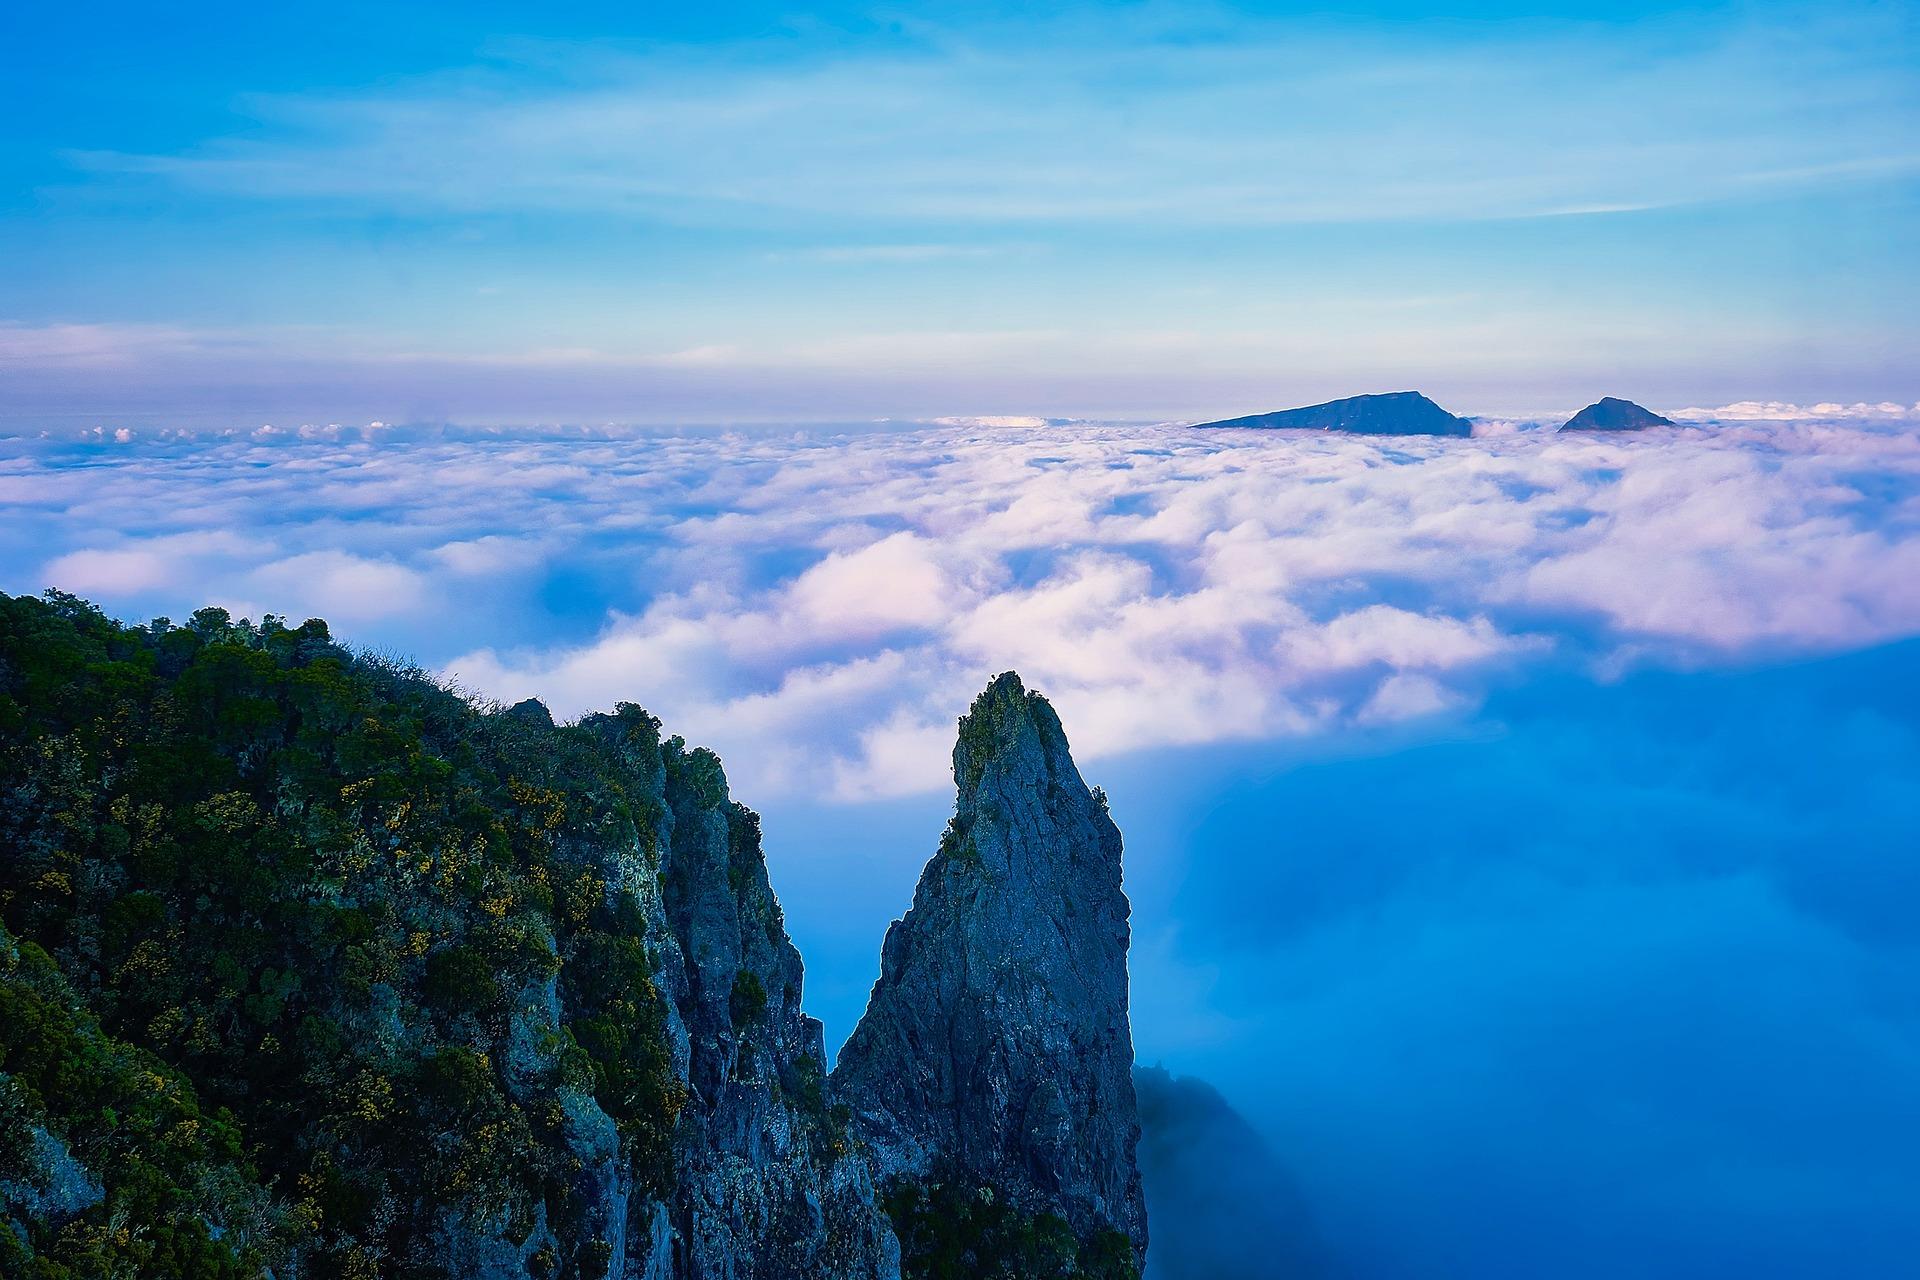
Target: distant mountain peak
x: 1609, y: 413
x: 1392, y: 413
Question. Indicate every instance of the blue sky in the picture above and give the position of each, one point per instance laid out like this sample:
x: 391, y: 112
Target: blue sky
x: 645, y: 213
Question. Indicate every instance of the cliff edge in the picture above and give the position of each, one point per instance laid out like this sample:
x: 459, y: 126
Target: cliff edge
x: 995, y: 1048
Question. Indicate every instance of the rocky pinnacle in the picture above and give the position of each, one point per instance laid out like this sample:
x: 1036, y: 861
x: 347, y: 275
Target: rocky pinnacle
x: 995, y: 1045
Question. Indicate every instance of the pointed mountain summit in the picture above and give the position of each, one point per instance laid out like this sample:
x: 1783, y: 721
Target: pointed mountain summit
x: 995, y: 1051
x: 1396, y: 413
x: 1611, y: 414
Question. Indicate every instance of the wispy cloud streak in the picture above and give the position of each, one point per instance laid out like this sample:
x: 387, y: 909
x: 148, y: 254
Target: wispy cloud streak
x: 1165, y: 116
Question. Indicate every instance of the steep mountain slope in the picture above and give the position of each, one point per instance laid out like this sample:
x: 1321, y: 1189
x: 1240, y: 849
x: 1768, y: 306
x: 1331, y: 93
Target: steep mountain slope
x: 459, y: 994
x: 995, y: 1049
x: 310, y: 967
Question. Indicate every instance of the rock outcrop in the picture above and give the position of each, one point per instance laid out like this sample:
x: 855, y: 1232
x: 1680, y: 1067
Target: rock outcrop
x: 390, y: 983
x: 764, y: 1187
x: 1611, y: 414
x: 996, y: 1044
x: 1396, y: 413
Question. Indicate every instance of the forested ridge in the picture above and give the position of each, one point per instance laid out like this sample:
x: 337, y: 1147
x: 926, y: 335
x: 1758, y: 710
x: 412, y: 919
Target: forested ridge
x: 312, y: 967
x: 265, y: 900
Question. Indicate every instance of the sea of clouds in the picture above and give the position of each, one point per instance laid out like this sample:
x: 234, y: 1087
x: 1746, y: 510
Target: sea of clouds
x: 820, y: 604
x: 1520, y: 829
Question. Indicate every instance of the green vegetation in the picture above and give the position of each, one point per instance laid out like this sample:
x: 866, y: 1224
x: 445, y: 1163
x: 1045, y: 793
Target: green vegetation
x: 273, y: 914
x: 622, y: 1034
x: 312, y: 966
x: 957, y: 846
x: 169, y: 1167
x: 953, y: 1230
x: 747, y: 1003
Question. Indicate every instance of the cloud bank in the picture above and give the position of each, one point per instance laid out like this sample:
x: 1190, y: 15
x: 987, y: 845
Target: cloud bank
x: 1615, y: 986
x: 817, y: 604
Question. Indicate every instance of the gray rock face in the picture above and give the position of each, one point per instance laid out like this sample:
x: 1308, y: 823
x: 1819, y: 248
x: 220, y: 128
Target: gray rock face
x: 49, y: 1181
x: 996, y: 1040
x: 764, y: 1184
x: 532, y: 711
x: 1610, y: 414
x: 1395, y: 413
x: 764, y: 1188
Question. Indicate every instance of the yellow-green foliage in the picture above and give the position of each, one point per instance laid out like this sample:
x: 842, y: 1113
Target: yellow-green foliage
x: 953, y: 1229
x: 302, y: 892
x: 167, y: 1169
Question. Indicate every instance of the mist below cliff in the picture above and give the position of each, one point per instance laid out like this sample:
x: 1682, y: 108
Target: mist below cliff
x: 1221, y: 1203
x: 1618, y: 979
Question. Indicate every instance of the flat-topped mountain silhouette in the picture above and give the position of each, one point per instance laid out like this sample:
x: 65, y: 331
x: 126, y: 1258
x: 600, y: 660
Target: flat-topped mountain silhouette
x: 1612, y: 414
x: 1395, y: 413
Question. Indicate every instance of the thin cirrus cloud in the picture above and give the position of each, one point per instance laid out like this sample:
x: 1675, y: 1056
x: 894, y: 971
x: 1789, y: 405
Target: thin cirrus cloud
x: 818, y: 605
x: 1146, y: 212
x: 1163, y: 116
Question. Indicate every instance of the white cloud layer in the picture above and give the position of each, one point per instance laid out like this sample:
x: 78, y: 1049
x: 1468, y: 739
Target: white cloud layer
x: 820, y: 606
x: 1782, y: 411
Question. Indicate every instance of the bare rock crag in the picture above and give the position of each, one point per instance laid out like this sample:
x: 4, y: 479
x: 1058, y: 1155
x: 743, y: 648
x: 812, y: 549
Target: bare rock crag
x: 996, y: 1043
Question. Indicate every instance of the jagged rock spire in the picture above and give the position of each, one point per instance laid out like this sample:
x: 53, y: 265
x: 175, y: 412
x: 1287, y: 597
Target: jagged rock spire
x: 996, y: 1041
